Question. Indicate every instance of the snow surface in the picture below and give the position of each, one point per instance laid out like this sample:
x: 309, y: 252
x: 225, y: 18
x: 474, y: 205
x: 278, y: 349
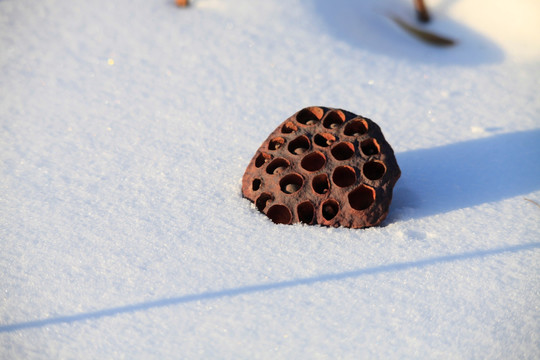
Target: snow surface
x: 126, y: 127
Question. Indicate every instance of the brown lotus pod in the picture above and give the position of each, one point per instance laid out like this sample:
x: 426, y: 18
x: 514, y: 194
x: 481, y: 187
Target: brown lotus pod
x: 323, y: 166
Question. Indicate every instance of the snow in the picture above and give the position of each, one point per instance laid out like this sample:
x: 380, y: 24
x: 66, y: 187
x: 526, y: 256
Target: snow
x: 126, y: 127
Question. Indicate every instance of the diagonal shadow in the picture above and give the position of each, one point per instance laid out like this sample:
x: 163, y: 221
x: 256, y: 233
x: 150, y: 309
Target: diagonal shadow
x: 266, y: 287
x: 465, y: 174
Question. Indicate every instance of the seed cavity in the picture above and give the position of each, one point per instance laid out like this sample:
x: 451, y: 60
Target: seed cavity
x: 320, y: 184
x: 313, y: 161
x: 261, y: 159
x: 330, y: 208
x: 344, y: 176
x: 343, y: 151
x: 370, y: 147
x: 356, y: 127
x: 277, y: 166
x: 262, y: 200
x: 333, y: 119
x: 280, y: 214
x: 291, y: 183
x: 256, y: 184
x: 276, y: 143
x: 374, y: 170
x: 362, y: 197
x: 324, y: 139
x: 309, y: 116
x: 299, y: 145
x: 288, y: 128
x: 305, y: 211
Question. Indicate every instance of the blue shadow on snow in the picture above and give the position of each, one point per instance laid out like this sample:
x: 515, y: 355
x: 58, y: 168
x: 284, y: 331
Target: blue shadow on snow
x: 469, y: 173
x: 367, y: 25
x: 250, y: 289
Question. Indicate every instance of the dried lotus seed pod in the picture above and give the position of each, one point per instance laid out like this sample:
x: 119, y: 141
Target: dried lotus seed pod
x: 323, y: 166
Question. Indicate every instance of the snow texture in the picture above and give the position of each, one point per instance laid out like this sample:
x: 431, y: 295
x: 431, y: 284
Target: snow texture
x: 126, y: 127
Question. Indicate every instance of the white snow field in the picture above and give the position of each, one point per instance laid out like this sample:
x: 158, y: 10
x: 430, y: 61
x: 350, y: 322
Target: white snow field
x: 126, y: 127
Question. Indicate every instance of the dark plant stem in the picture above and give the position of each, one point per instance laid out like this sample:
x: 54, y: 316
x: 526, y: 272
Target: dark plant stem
x: 421, y: 11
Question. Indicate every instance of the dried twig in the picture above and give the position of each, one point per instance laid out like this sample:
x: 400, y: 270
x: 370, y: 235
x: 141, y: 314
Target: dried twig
x: 421, y: 11
x: 423, y: 35
x: 533, y: 202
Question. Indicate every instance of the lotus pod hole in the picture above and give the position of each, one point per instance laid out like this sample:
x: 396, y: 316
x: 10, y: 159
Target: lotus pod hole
x: 288, y: 128
x: 324, y: 139
x: 362, y: 197
x: 370, y: 147
x: 356, y: 127
x: 256, y: 184
x: 309, y: 116
x: 343, y: 151
x: 344, y: 176
x: 291, y: 183
x: 330, y: 208
x: 299, y: 145
x: 261, y: 159
x: 277, y: 166
x: 323, y: 166
x: 262, y: 200
x: 279, y: 214
x: 276, y: 143
x: 374, y: 170
x: 305, y: 211
x: 333, y: 119
x: 320, y: 184
x: 313, y: 161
